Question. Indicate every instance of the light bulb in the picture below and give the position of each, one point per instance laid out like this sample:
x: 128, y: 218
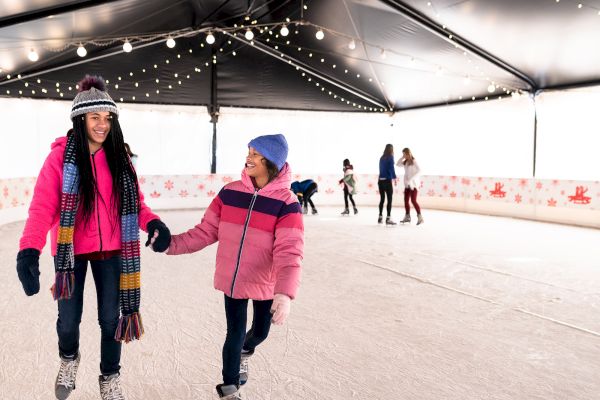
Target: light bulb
x: 352, y: 45
x: 284, y: 31
x: 491, y: 88
x: 81, y: 51
x: 210, y: 39
x: 249, y: 35
x: 319, y: 35
x: 33, y: 55
x: 127, y: 47
x: 170, y: 42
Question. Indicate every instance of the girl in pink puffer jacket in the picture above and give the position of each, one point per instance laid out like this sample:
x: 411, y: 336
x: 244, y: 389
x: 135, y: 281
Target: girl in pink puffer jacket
x: 258, y: 224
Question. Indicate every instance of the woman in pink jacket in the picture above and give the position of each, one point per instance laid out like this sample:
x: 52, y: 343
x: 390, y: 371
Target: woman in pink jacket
x: 258, y: 224
x: 88, y: 195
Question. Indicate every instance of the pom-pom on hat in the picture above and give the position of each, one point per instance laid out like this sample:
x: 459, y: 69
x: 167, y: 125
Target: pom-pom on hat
x: 92, y: 97
x: 273, y: 147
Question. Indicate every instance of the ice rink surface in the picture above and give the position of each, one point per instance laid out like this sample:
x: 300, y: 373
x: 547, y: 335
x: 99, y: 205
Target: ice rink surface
x: 463, y: 307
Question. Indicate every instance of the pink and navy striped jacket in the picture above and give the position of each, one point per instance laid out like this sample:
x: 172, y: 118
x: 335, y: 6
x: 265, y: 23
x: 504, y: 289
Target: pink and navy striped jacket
x: 260, y: 234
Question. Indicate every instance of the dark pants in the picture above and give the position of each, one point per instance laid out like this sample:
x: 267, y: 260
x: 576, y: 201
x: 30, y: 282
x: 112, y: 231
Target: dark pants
x: 236, y: 311
x: 385, y: 189
x: 308, y: 193
x: 106, y: 277
x: 346, y: 195
x: 412, y: 195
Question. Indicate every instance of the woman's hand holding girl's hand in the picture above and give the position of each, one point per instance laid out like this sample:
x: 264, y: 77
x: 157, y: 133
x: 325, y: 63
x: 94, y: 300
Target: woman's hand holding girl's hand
x: 159, y: 236
x: 280, y: 308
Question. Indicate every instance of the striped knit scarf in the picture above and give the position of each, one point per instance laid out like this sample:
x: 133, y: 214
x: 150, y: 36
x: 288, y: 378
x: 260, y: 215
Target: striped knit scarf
x: 130, y: 323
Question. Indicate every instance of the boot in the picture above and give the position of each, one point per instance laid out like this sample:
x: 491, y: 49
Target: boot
x: 314, y: 211
x: 355, y: 210
x: 110, y: 387
x: 380, y: 220
x: 229, y: 392
x: 304, y: 210
x: 406, y: 219
x: 65, y: 380
x: 346, y: 211
x: 244, y: 367
x: 420, y: 219
x: 388, y: 221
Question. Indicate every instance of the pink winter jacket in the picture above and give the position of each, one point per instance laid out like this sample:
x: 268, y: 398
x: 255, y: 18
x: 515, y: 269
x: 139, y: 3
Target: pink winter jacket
x: 102, y: 233
x: 260, y: 234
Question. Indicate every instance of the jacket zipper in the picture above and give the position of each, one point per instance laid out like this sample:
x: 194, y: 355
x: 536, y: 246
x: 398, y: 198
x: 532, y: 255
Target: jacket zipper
x: 239, y: 257
x: 97, y: 194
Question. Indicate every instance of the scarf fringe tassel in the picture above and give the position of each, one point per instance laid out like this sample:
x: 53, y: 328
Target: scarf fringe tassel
x: 64, y: 283
x: 129, y: 328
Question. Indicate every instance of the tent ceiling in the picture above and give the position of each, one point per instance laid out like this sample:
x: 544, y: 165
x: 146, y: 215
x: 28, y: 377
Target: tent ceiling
x: 403, y: 58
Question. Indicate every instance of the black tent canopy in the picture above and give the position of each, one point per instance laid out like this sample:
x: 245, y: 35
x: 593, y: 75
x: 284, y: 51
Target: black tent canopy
x: 376, y: 55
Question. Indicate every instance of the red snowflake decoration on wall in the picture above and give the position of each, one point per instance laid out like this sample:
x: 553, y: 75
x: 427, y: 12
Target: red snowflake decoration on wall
x: 518, y: 198
x: 155, y: 195
x: 169, y: 185
x: 183, y: 193
x: 142, y: 180
x: 477, y: 196
x: 210, y: 193
x: 551, y: 202
x: 538, y: 185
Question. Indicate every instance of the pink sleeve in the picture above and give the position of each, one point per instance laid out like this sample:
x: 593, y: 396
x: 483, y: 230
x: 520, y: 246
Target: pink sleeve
x: 44, y: 210
x: 200, y: 236
x: 288, y: 251
x: 146, y: 215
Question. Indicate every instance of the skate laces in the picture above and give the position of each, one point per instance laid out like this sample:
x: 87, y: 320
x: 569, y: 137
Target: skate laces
x: 67, y: 373
x: 244, y: 365
x: 110, y: 389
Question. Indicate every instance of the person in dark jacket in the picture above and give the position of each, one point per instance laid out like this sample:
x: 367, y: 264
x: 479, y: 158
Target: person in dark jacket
x: 387, y: 177
x: 305, y: 190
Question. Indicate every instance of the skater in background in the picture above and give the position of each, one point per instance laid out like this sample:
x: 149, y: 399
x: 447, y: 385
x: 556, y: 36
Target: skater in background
x: 411, y: 184
x: 349, y: 186
x: 87, y: 194
x: 387, y: 177
x: 132, y: 156
x: 260, y: 215
x: 304, y: 191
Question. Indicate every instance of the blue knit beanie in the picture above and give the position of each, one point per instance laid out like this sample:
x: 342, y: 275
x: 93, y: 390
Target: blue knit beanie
x: 273, y: 147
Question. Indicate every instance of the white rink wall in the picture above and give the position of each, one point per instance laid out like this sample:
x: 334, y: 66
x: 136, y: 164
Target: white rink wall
x: 485, y: 144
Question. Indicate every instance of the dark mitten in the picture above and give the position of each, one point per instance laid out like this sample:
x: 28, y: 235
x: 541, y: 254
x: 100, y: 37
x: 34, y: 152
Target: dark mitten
x: 162, y: 242
x: 28, y: 269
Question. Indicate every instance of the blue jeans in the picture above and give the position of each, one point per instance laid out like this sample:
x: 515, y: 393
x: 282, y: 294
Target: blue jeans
x: 236, y: 311
x: 106, y: 277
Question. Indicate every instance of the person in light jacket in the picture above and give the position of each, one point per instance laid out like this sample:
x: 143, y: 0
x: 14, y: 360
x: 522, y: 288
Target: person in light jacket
x: 349, y: 183
x: 412, y: 183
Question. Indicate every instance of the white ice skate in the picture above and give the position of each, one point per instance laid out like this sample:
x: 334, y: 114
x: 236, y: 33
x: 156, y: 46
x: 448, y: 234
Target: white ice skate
x: 110, y: 387
x: 65, y: 380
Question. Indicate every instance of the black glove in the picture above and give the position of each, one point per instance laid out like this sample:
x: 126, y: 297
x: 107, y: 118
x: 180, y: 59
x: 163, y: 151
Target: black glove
x: 162, y: 242
x: 28, y: 269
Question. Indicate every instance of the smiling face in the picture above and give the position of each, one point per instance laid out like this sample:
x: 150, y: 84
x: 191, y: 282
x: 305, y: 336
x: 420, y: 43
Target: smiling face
x: 98, y: 125
x: 256, y: 164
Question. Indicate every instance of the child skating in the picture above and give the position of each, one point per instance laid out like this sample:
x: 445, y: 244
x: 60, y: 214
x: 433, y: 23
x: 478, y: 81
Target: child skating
x: 258, y: 224
x: 349, y: 186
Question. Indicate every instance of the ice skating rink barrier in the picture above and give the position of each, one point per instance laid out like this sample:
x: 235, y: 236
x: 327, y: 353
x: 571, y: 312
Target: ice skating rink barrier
x: 561, y: 201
